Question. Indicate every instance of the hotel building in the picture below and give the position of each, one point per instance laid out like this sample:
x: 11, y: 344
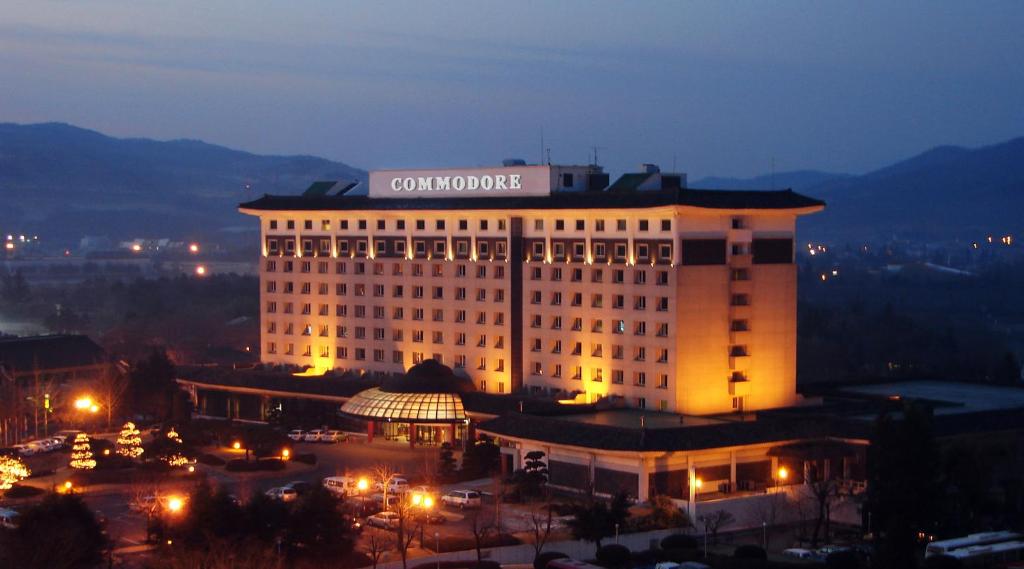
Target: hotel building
x: 545, y: 280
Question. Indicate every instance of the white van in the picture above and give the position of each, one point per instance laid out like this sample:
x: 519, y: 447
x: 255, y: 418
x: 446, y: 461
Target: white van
x: 8, y: 518
x: 341, y: 485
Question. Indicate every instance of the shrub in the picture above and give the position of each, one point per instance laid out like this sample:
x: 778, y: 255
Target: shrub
x: 19, y: 491
x: 749, y: 552
x: 679, y: 541
x: 305, y: 458
x: 469, y: 564
x: 613, y: 555
x: 210, y: 459
x: 242, y: 465
x: 542, y: 560
x: 847, y: 559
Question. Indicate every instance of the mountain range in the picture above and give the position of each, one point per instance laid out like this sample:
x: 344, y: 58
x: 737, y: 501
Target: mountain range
x: 63, y: 182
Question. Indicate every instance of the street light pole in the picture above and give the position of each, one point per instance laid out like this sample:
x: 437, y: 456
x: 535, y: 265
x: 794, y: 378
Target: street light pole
x: 764, y: 535
x: 437, y: 548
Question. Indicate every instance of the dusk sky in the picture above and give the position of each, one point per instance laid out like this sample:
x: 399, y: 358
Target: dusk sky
x: 722, y: 87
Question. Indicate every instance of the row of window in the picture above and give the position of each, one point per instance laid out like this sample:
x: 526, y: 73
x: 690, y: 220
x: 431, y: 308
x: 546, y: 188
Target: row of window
x: 463, y: 224
x: 618, y: 376
x: 596, y: 350
x: 397, y: 269
x: 599, y: 250
x: 661, y: 303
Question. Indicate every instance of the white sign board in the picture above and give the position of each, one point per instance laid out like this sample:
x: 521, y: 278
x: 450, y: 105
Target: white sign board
x: 462, y: 182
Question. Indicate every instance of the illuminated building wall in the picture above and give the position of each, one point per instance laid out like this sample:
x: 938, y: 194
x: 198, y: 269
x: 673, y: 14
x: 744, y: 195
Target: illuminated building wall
x: 681, y: 300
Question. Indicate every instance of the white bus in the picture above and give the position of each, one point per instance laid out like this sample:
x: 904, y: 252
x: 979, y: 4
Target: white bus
x: 948, y: 546
x: 989, y: 555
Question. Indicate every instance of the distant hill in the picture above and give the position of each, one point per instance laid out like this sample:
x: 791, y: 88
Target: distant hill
x: 944, y: 193
x: 796, y: 180
x: 63, y: 182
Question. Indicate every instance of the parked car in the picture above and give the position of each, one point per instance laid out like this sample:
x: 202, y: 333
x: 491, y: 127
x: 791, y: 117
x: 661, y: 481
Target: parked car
x: 461, y: 499
x: 296, y: 434
x: 429, y: 518
x: 313, y: 436
x: 341, y: 485
x: 283, y: 494
x: 8, y: 518
x: 396, y: 486
x: 386, y: 520
x: 332, y: 436
x: 300, y: 486
x: 25, y: 450
x: 798, y: 553
x: 67, y: 436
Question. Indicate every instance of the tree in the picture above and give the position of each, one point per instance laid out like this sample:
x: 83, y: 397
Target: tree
x: 902, y: 483
x: 664, y: 515
x: 483, y: 522
x: 152, y: 388
x: 481, y: 459
x: 219, y: 554
x: 12, y: 471
x: 446, y: 462
x: 530, y: 480
x: 377, y: 543
x: 129, y: 441
x: 540, y: 527
x: 264, y: 518
x: 596, y: 520
x: 715, y: 521
x: 81, y: 453
x: 212, y: 515
x: 824, y: 494
x: 111, y: 388
x: 317, y: 527
x: 61, y: 532
x: 405, y: 532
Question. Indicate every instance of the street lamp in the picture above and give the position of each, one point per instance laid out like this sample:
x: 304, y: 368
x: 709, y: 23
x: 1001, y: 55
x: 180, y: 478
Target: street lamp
x: 175, y: 504
x: 783, y: 474
x: 83, y: 403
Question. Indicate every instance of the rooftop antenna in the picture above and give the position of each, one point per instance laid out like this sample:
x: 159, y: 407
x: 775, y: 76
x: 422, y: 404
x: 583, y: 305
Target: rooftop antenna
x: 595, y: 148
x: 541, y: 145
x: 549, y: 156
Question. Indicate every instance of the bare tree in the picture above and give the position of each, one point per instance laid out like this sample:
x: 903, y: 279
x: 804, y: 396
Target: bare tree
x: 377, y: 544
x: 483, y: 523
x: 407, y: 526
x: 714, y: 521
x: 540, y: 525
x: 823, y: 495
x: 383, y: 475
x: 111, y: 388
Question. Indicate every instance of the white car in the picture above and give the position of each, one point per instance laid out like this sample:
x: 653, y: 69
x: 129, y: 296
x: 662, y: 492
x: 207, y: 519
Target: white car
x: 25, y: 450
x: 386, y: 520
x: 396, y: 486
x: 296, y: 435
x: 284, y: 494
x: 461, y: 499
x: 314, y: 436
x: 8, y: 518
x: 331, y: 436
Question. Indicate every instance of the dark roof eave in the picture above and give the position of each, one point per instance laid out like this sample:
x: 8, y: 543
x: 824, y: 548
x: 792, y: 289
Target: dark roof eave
x: 709, y: 199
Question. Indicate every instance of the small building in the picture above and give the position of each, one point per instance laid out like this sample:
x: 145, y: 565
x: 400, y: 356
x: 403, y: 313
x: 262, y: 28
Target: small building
x: 59, y: 359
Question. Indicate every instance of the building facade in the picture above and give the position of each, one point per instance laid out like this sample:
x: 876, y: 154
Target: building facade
x: 544, y: 279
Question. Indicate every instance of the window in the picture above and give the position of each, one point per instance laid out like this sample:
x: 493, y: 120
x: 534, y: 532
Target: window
x: 740, y: 326
x: 643, y: 251
x: 483, y: 248
x: 420, y: 225
x: 343, y: 224
x: 483, y: 227
x: 463, y: 225
x: 640, y: 379
x: 664, y: 252
x: 400, y: 225
x: 538, y: 249
x: 620, y: 224
x: 662, y: 279
x: 380, y: 247
x: 578, y: 249
x: 740, y: 300
x: 662, y: 304
x: 599, y: 225
x: 559, y: 250
x: 666, y: 225
x: 580, y: 225
x: 559, y: 225
x: 640, y: 328
x: 556, y: 274
x: 439, y: 225
x: 640, y: 277
x: 439, y: 248
x: 567, y: 180
x: 643, y: 225
x: 538, y: 225
x: 620, y: 251
x: 273, y: 224
x: 617, y: 376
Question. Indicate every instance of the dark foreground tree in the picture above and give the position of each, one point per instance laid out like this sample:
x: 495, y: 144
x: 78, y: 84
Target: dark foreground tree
x: 595, y: 520
x: 61, y: 532
x: 902, y: 484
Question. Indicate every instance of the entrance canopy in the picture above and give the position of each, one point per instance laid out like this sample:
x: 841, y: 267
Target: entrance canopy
x: 428, y: 393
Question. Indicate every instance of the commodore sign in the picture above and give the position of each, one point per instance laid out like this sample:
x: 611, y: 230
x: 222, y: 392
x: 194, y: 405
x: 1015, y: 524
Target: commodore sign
x: 475, y: 182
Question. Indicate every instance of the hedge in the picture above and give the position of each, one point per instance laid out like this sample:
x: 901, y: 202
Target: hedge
x: 242, y: 465
x: 210, y: 459
x: 305, y: 458
x: 679, y: 541
x: 469, y: 564
x: 613, y: 555
x: 542, y: 560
